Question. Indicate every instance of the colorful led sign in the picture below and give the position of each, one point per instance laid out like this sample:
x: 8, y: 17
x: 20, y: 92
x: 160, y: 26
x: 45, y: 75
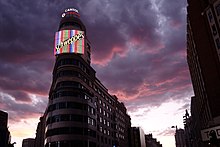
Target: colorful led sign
x: 69, y: 41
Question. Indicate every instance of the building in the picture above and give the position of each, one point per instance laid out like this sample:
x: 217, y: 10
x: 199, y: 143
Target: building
x: 39, y: 139
x: 137, y: 137
x: 80, y: 111
x: 4, y: 133
x: 203, y: 56
x: 28, y: 142
x: 180, y: 138
x: 151, y: 142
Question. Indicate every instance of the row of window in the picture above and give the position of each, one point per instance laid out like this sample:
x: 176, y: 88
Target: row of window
x: 105, y: 105
x: 71, y: 61
x: 68, y: 62
x: 72, y: 84
x: 107, y: 132
x: 59, y: 94
x: 71, y: 105
x: 104, y: 121
x: 102, y: 111
x: 71, y: 117
x: 71, y: 130
x: 103, y: 130
x: 72, y: 73
x: 67, y: 73
x: 113, y: 126
x: 73, y: 143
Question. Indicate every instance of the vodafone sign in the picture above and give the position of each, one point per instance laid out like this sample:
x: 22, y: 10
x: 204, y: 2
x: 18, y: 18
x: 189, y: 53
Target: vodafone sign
x: 206, y: 133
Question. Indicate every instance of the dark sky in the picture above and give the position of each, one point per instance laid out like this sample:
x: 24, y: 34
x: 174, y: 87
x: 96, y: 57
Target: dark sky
x: 138, y: 51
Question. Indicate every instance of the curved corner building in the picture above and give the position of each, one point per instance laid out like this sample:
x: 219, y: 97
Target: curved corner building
x: 81, y: 112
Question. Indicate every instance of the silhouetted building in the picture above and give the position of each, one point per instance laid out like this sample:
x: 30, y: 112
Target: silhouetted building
x: 28, y: 142
x: 203, y: 56
x: 187, y: 129
x: 180, y: 138
x: 137, y: 137
x: 4, y: 133
x: 151, y: 142
x: 39, y: 139
x: 81, y: 112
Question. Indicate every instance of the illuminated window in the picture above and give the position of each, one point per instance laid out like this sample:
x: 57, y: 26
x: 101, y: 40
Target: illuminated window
x: 100, y: 119
x: 100, y: 128
x: 100, y: 110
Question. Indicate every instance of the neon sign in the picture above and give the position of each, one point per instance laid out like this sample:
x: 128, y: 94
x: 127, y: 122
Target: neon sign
x: 69, y: 41
x: 70, y: 11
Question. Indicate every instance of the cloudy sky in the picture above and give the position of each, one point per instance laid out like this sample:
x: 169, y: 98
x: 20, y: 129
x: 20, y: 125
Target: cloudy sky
x: 138, y: 51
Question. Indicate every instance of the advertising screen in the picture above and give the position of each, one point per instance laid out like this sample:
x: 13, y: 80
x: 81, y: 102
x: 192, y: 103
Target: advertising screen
x: 69, y: 41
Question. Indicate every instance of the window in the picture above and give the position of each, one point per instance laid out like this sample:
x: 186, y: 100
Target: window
x: 100, y: 110
x: 100, y: 128
x: 100, y: 119
x: 68, y: 73
x: 210, y: 17
x: 217, y: 43
x: 86, y: 97
x: 62, y: 105
x: 214, y: 31
x: 217, y: 8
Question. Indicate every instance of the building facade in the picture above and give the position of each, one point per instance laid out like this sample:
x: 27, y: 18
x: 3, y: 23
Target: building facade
x: 137, y: 137
x: 4, y: 133
x: 40, y: 136
x: 28, y: 142
x: 80, y: 111
x: 203, y: 56
x: 180, y: 138
x: 152, y: 142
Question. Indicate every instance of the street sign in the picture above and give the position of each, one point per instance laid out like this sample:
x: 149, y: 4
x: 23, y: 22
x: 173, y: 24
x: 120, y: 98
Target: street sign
x: 206, y: 133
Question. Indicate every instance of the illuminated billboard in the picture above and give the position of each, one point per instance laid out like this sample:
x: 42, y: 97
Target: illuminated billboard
x: 69, y: 41
x: 71, y: 11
